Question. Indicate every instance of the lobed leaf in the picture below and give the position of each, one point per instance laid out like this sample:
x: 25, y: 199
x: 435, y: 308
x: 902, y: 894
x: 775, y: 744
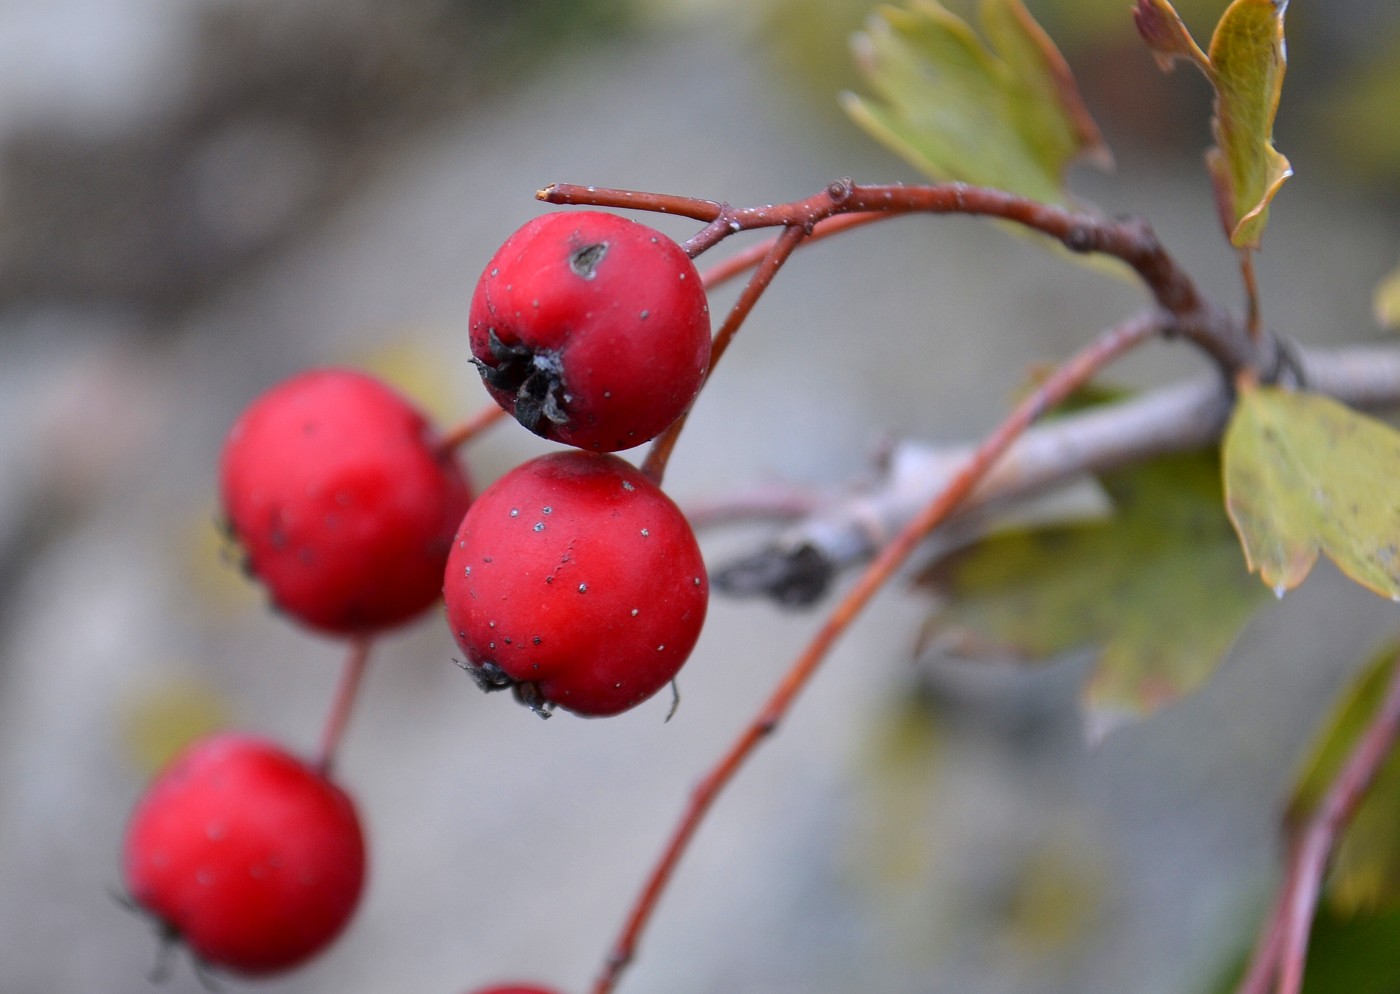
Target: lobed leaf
x: 1305, y: 475
x: 1365, y: 874
x: 1157, y: 589
x: 1004, y: 113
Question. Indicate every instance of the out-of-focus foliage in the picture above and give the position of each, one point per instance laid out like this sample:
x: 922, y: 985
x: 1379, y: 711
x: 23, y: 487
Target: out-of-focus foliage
x: 1305, y: 475
x: 1157, y: 588
x: 1004, y: 112
x: 160, y: 719
x: 1365, y: 873
x: 1343, y: 86
x: 1387, y: 301
x: 1347, y: 954
x: 1357, y: 117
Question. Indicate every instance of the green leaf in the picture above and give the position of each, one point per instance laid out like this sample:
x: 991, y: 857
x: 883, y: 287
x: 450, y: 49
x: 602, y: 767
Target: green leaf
x: 1247, y: 54
x: 1347, y: 954
x: 1005, y: 114
x: 1245, y: 65
x: 1365, y: 872
x: 1157, y: 587
x: 1353, y: 954
x: 1305, y: 475
x: 1387, y: 301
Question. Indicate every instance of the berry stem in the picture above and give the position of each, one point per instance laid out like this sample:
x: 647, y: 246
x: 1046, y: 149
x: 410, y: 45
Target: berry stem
x: 726, y: 270
x: 470, y: 427
x: 778, y: 253
x: 352, y: 674
x: 1067, y: 378
x: 1282, y: 951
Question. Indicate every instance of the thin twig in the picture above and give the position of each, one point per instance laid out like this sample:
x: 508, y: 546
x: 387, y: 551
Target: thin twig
x: 660, y: 452
x: 470, y: 427
x: 745, y: 259
x: 347, y: 691
x: 1082, y: 367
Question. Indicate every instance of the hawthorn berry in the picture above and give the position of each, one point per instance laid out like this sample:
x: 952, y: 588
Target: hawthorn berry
x: 591, y: 329
x: 342, y: 499
x: 576, y: 582
x: 246, y: 854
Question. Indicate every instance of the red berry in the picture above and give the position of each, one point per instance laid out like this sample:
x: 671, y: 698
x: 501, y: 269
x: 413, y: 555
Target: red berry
x: 515, y: 989
x: 577, y: 582
x: 591, y: 329
x: 342, y: 500
x: 251, y: 857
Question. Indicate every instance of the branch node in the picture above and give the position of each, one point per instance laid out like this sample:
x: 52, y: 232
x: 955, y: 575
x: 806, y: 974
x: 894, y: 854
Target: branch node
x: 840, y: 191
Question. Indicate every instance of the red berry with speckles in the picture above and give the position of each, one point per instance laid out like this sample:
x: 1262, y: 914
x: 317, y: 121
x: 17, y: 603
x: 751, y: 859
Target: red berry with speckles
x: 591, y: 329
x: 342, y: 499
x: 246, y: 854
x: 575, y: 581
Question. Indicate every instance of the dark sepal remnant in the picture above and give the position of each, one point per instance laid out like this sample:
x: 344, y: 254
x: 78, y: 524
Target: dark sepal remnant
x: 535, y: 378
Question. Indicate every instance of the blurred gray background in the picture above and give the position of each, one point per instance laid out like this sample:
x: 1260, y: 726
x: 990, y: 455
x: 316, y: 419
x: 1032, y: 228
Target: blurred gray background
x: 199, y: 198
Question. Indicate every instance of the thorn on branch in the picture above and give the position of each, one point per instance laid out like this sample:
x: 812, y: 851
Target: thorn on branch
x: 796, y: 577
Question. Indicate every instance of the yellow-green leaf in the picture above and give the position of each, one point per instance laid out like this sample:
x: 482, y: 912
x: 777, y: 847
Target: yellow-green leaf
x: 1305, y: 475
x: 1245, y: 65
x: 1248, y: 59
x: 1365, y: 872
x: 1387, y: 301
x: 1003, y: 113
x: 1157, y: 589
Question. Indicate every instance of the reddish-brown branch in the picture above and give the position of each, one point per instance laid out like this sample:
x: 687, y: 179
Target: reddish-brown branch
x: 352, y: 675
x: 1064, y: 380
x: 660, y: 452
x: 656, y: 203
x: 744, y: 260
x: 1129, y: 239
x: 472, y: 426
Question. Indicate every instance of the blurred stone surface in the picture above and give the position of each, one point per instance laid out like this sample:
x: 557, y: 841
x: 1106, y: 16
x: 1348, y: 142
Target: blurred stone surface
x: 505, y: 846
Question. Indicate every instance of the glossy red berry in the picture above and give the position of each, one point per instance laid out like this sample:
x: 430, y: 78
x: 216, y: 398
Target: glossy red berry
x: 246, y: 854
x: 591, y: 329
x: 342, y: 500
x: 577, y: 582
